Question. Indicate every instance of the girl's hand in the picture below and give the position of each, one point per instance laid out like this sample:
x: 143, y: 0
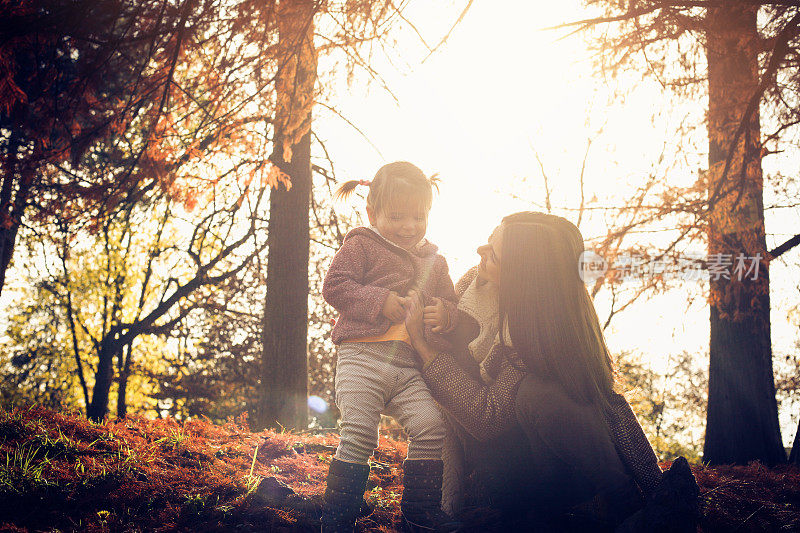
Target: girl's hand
x: 394, y: 308
x: 436, y: 315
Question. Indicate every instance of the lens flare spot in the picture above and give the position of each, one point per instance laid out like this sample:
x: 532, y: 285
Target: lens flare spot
x: 317, y: 404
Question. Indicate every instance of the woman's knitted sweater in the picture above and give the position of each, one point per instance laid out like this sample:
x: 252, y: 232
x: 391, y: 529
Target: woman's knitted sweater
x: 486, y: 410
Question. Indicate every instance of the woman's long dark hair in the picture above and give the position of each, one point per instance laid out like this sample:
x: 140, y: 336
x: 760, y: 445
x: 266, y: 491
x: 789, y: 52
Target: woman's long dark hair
x: 551, y: 318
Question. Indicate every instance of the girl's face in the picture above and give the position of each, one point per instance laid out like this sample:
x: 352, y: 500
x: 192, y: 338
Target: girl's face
x: 489, y: 268
x: 403, y: 223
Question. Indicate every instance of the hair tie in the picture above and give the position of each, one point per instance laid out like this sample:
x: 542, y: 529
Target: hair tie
x: 365, y: 183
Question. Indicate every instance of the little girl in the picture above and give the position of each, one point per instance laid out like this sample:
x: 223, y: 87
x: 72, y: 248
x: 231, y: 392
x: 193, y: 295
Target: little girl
x: 376, y: 370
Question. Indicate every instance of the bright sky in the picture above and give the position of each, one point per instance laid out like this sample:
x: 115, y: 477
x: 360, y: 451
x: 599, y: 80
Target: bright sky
x: 475, y: 110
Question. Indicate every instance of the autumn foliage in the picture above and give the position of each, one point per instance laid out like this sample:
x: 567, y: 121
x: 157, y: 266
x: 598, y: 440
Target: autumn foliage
x: 63, y: 471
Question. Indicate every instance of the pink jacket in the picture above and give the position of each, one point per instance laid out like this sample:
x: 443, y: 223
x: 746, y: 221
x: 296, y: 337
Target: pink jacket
x: 367, y: 267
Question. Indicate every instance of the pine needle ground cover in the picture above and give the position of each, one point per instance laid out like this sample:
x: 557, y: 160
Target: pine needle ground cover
x: 60, y: 472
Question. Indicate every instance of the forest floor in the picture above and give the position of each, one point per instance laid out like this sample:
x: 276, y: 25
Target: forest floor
x: 60, y: 472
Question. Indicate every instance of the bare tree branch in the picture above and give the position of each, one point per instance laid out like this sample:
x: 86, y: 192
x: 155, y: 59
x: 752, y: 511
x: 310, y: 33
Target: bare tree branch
x: 544, y: 177
x: 785, y: 247
x: 447, y: 36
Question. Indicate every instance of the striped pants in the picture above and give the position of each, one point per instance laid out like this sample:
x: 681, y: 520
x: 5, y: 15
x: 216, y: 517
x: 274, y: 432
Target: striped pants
x: 381, y: 377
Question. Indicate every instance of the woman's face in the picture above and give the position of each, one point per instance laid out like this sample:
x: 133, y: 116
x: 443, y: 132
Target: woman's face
x: 489, y: 268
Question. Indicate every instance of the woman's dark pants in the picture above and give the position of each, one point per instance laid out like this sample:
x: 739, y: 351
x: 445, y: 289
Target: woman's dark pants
x: 558, y: 466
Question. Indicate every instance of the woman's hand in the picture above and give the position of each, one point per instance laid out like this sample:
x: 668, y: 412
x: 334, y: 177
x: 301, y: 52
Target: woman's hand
x: 436, y: 316
x: 416, y: 327
x: 414, y: 317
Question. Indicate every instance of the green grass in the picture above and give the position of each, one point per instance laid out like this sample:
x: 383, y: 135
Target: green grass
x: 23, y: 466
x: 252, y: 481
x: 175, y: 439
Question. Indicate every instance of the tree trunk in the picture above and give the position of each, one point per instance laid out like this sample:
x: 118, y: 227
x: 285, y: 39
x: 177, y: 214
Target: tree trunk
x: 284, y: 379
x: 124, y: 373
x: 14, y: 190
x: 109, y: 348
x: 794, y: 456
x: 8, y: 237
x: 742, y: 419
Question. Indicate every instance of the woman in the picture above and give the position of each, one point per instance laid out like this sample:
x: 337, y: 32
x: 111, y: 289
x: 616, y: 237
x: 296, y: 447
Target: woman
x: 529, y: 386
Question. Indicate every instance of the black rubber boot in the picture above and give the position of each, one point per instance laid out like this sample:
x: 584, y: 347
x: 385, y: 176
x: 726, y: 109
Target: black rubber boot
x: 344, y: 493
x: 673, y: 507
x: 422, y: 498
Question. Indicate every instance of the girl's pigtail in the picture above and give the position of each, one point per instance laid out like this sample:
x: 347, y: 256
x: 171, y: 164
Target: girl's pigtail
x: 346, y: 189
x: 435, y: 181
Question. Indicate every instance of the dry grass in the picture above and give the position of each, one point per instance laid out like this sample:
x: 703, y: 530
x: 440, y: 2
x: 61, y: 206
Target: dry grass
x: 61, y: 472
x: 749, y: 498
